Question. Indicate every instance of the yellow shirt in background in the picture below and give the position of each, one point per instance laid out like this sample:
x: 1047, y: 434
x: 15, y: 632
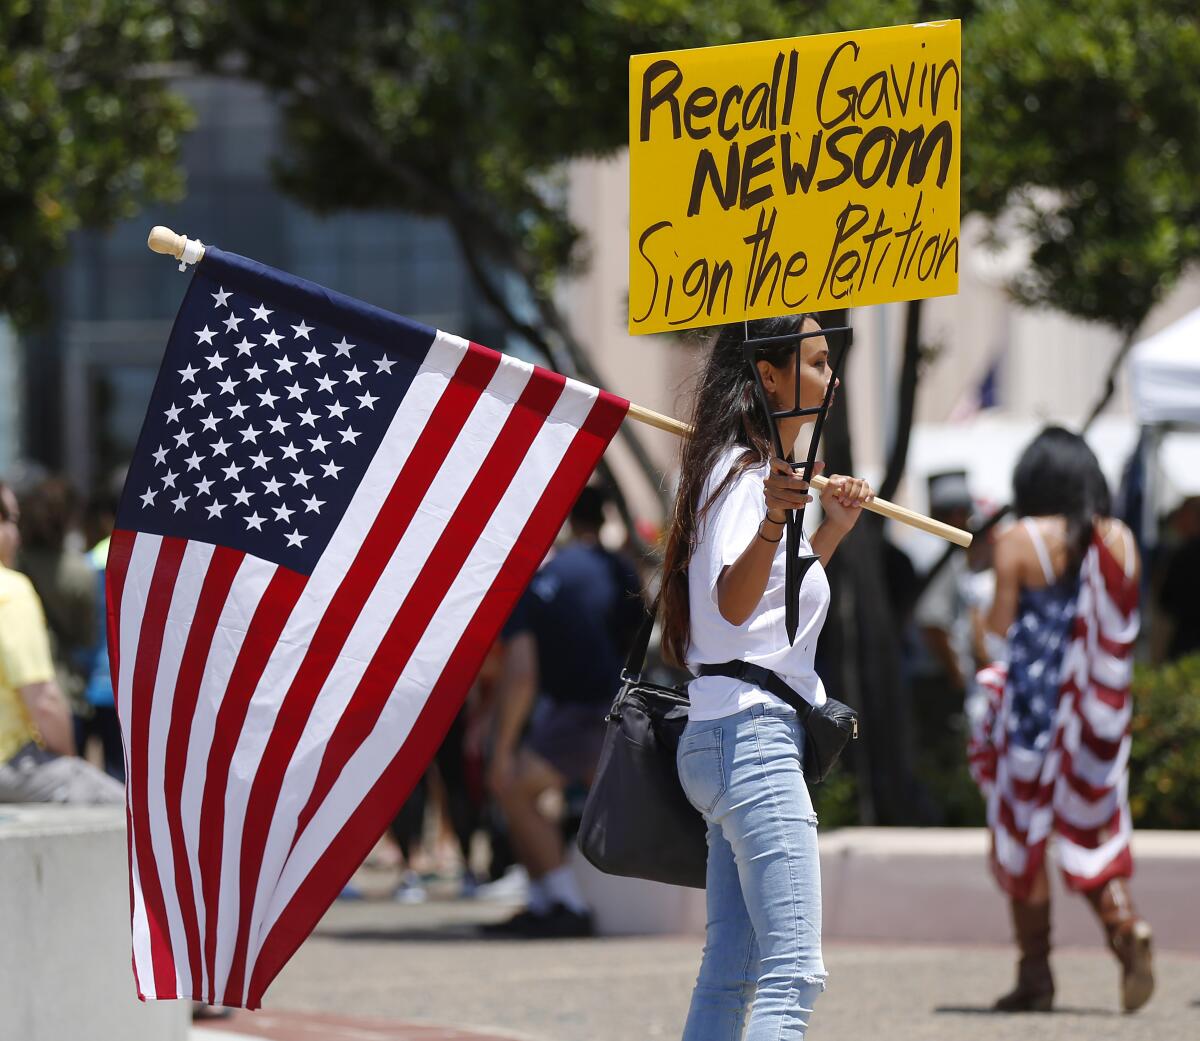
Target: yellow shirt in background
x: 24, y: 658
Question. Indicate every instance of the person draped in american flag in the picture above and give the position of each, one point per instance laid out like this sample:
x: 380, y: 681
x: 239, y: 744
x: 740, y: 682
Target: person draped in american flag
x: 1052, y: 752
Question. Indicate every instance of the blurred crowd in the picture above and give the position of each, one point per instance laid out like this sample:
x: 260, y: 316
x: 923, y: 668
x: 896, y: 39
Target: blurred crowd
x: 495, y: 813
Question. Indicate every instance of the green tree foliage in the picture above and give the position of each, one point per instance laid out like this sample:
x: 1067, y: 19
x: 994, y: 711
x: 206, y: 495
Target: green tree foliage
x: 465, y: 111
x: 88, y: 129
x: 1082, y: 121
x: 1164, y: 770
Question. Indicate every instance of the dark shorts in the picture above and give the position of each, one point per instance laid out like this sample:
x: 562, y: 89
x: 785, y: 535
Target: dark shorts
x: 568, y: 736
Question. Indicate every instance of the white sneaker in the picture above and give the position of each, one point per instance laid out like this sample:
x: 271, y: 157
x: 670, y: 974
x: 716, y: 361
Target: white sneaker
x: 411, y: 889
x: 510, y: 888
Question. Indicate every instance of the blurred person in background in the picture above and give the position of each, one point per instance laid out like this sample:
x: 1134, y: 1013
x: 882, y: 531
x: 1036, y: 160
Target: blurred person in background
x: 565, y: 644
x: 1179, y: 591
x: 99, y: 720
x: 37, y: 741
x: 950, y: 611
x: 64, y: 581
x: 941, y: 612
x: 1052, y: 752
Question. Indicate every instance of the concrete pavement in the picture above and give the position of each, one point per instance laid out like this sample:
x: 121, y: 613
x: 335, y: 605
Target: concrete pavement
x: 378, y: 971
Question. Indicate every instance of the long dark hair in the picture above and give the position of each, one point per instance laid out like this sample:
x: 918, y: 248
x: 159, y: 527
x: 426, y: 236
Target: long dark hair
x: 1058, y: 474
x: 724, y: 411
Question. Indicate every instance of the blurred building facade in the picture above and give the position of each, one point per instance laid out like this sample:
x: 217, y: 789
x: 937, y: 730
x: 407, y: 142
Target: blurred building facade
x: 74, y: 394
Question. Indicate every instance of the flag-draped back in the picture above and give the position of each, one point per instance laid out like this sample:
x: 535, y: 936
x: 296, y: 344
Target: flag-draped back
x: 1073, y: 780
x: 330, y: 513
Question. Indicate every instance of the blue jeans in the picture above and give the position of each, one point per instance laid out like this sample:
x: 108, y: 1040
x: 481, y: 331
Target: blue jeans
x: 762, y: 951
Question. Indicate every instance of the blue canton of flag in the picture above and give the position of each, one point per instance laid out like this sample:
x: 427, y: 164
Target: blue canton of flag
x: 263, y: 421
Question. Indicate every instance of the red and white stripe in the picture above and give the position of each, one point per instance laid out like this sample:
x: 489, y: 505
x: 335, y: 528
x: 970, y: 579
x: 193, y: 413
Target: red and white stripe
x: 274, y: 723
x: 1078, y: 789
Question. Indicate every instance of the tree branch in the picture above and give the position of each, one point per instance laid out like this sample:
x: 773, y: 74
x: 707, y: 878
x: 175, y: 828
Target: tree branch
x: 906, y: 398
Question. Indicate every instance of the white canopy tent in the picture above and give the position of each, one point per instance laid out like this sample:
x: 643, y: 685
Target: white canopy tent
x: 1165, y: 375
x: 1164, y: 372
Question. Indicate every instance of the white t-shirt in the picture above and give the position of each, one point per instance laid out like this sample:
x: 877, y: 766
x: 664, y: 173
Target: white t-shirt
x: 731, y: 522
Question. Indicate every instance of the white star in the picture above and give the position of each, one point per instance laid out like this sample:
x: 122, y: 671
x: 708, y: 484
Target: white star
x: 367, y: 400
x: 313, y: 504
x: 301, y: 331
x: 237, y: 410
x: 272, y: 338
x: 232, y: 322
x: 319, y: 444
x: 255, y: 373
x: 354, y: 375
x: 343, y: 348
x: 301, y: 478
x: 215, y: 361
x: 173, y: 414
x: 160, y: 456
x: 220, y: 296
x: 267, y: 399
x: 244, y: 346
x: 203, y: 485
x: 232, y: 471
x: 182, y: 438
x: 295, y: 392
x: 313, y: 356
x: 255, y: 521
x: 242, y: 496
x: 169, y: 479
x: 205, y: 336
x: 332, y: 469
x: 326, y: 383
x: 308, y: 418
x: 209, y: 422
x: 285, y: 365
x: 193, y: 461
x: 214, y: 508
x: 261, y: 314
x: 180, y: 501
x: 250, y: 434
x: 220, y: 447
x: 260, y: 461
x: 336, y: 410
x: 189, y: 374
x: 199, y: 398
x: 350, y: 435
x: 227, y: 385
x: 278, y: 425
x: 295, y: 538
x: 272, y: 486
x: 290, y: 453
x: 282, y: 512
x: 384, y: 365
x: 147, y: 497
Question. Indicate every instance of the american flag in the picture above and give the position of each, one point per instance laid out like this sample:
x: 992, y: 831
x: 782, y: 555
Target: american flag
x: 1069, y: 777
x: 330, y: 512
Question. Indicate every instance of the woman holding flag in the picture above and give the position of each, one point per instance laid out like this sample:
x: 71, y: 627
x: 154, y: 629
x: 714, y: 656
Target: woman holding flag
x: 741, y: 756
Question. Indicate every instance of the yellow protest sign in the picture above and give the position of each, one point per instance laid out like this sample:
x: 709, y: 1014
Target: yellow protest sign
x: 793, y: 175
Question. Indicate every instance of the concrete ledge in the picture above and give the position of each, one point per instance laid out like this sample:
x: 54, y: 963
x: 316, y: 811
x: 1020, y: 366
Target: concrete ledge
x: 934, y: 885
x: 65, y: 961
x: 926, y: 885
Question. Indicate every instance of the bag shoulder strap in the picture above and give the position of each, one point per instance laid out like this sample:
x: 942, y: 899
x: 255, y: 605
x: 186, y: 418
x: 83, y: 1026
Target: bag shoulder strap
x: 748, y: 672
x: 641, y: 644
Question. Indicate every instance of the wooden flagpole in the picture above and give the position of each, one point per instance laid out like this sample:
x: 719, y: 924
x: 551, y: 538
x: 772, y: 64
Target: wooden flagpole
x: 190, y: 251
